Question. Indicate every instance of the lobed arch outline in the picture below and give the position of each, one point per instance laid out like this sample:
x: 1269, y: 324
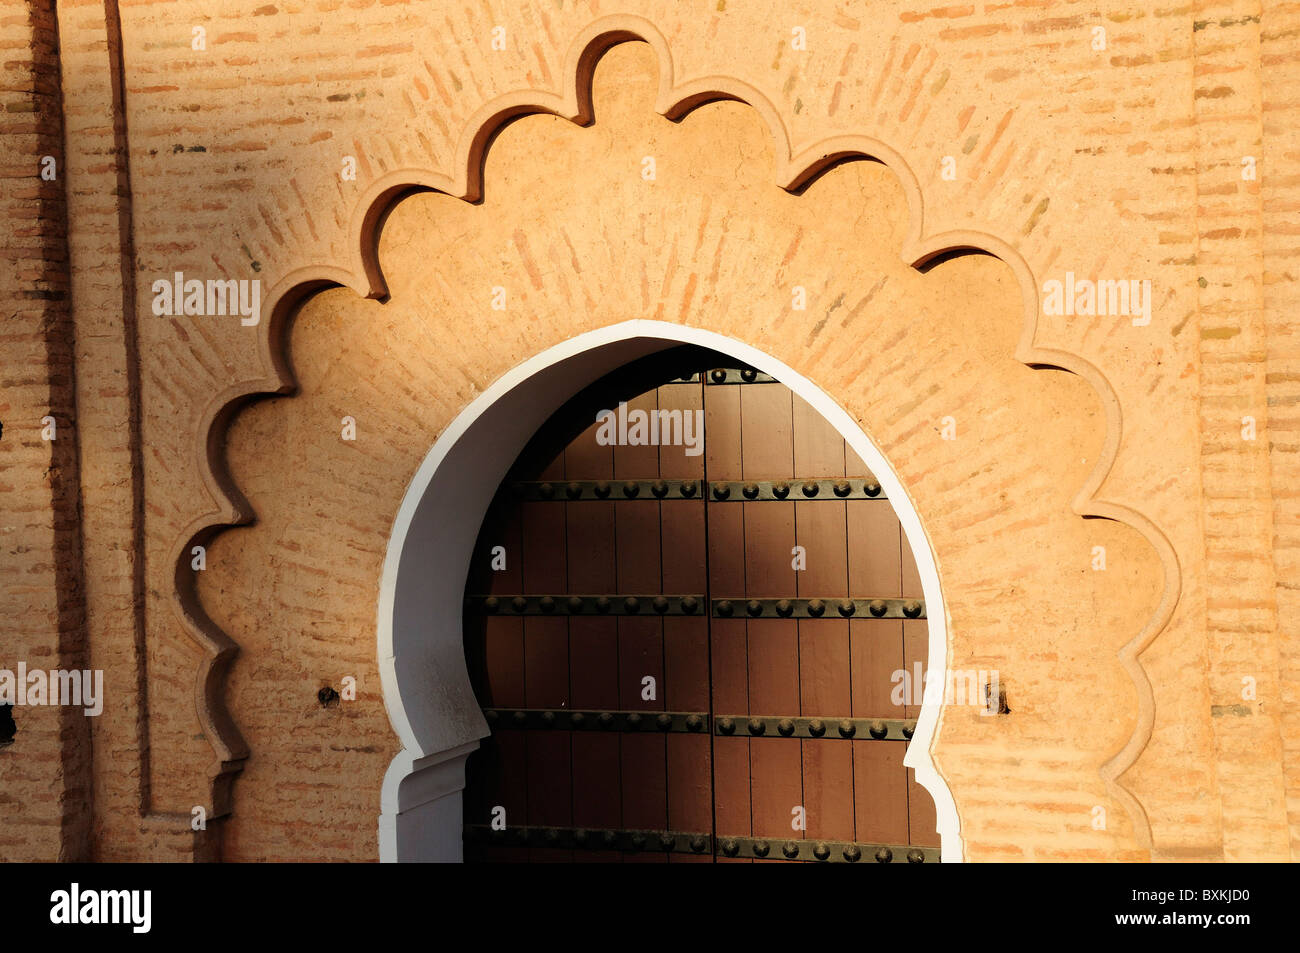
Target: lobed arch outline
x: 792, y: 170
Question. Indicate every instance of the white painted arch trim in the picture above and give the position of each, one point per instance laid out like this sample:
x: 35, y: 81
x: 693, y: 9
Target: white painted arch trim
x: 425, y: 680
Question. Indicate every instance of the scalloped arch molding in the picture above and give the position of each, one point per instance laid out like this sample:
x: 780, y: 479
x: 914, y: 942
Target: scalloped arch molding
x: 793, y: 169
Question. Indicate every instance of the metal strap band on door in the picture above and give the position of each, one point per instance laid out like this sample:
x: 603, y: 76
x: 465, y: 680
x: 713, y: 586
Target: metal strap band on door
x: 826, y: 851
x: 720, y: 491
x: 581, y: 838
x: 560, y: 605
x: 825, y: 608
x: 735, y: 375
x: 698, y: 842
x: 687, y: 722
x: 725, y: 375
x: 649, y: 605
x: 698, y: 722
x: 787, y: 726
x: 800, y: 490
x: 576, y: 491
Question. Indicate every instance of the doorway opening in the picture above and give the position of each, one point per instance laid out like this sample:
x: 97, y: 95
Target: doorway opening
x: 432, y: 551
x: 692, y: 621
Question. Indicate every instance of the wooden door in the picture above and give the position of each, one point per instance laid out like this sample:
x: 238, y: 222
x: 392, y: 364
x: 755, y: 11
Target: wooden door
x: 690, y: 649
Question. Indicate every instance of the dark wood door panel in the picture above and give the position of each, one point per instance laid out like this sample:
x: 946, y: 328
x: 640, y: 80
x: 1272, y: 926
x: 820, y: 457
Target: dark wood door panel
x: 780, y: 785
x: 876, y: 653
x: 592, y: 647
x: 880, y: 782
x: 733, y: 811
x: 732, y: 766
x: 828, y: 790
x: 684, y: 569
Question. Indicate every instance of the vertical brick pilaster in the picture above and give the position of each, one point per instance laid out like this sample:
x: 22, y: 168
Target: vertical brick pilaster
x: 45, y: 812
x: 1279, y: 184
x: 1241, y: 620
x: 102, y: 254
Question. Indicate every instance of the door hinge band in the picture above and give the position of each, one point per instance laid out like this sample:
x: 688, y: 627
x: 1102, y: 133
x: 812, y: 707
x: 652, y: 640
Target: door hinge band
x: 697, y: 842
x: 577, y: 491
x: 786, y: 726
x: 758, y: 491
x: 825, y: 608
x: 559, y: 605
x: 686, y: 722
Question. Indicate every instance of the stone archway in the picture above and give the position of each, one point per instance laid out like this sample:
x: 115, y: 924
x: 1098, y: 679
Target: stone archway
x: 421, y: 656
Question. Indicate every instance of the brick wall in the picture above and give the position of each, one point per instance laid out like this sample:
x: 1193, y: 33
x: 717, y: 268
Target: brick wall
x: 222, y: 159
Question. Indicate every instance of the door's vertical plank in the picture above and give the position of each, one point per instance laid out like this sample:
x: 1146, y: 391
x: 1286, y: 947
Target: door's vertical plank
x: 881, y: 789
x: 640, y: 638
x: 876, y: 647
x: 922, y: 819
x: 546, y: 668
x: 916, y: 652
x: 686, y: 648
x: 880, y: 683
x: 593, y: 645
x: 498, y: 769
x: 874, y: 558
x: 767, y: 439
x: 546, y: 640
x: 824, y: 664
x: 501, y: 766
x: 679, y: 459
x: 916, y: 657
x: 549, y: 788
x: 730, y: 665
x: 503, y: 654
x: 911, y: 575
